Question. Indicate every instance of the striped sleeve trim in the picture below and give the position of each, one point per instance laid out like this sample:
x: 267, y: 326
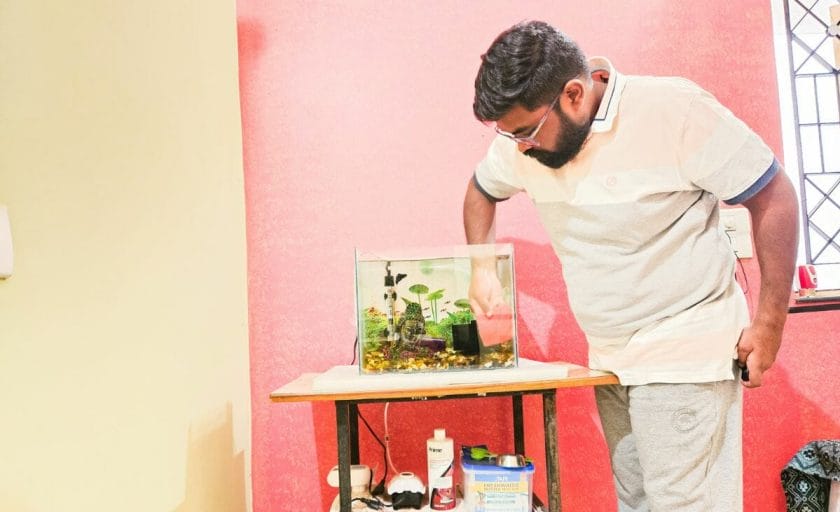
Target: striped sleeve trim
x: 486, y: 194
x: 756, y: 187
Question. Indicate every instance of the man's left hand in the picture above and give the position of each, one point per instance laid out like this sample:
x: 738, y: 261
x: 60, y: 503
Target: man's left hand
x: 757, y: 350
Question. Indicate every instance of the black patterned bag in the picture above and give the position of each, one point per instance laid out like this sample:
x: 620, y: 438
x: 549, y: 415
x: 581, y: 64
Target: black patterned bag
x: 807, y: 478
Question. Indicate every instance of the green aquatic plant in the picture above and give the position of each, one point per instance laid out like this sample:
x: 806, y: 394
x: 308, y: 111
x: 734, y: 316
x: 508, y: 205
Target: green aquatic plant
x: 433, y: 299
x: 426, y: 267
x: 439, y: 330
x: 412, y: 309
x: 375, y: 328
x: 418, y: 289
x: 443, y: 327
x: 464, y: 314
x: 412, y: 324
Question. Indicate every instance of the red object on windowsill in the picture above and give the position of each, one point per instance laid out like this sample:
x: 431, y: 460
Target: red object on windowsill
x: 807, y: 280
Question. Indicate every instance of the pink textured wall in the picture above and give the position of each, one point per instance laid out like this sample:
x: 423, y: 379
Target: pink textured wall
x: 358, y: 132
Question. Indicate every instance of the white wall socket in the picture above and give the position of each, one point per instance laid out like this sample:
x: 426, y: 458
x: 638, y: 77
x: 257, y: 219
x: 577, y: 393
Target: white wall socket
x: 735, y: 222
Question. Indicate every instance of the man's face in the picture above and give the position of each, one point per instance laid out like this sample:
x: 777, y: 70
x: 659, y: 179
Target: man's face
x: 568, y: 142
x: 549, y: 135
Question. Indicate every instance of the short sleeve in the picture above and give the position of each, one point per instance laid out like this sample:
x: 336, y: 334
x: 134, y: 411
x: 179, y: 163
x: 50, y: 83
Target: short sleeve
x: 495, y: 176
x: 718, y: 152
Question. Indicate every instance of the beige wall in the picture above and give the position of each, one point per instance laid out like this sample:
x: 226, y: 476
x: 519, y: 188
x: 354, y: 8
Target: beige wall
x: 123, y: 331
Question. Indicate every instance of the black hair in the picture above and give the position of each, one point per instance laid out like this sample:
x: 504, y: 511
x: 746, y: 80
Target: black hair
x: 528, y: 64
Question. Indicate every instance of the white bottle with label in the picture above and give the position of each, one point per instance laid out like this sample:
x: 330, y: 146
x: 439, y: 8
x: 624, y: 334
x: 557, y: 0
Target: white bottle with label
x: 440, y: 456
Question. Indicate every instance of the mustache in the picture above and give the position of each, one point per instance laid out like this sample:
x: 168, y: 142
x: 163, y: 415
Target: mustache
x: 568, y: 146
x: 555, y: 159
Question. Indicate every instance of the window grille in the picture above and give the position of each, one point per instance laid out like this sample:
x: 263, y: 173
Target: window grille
x: 813, y: 33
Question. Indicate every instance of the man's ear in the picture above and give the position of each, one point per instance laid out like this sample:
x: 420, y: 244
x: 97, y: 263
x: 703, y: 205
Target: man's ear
x: 573, y: 92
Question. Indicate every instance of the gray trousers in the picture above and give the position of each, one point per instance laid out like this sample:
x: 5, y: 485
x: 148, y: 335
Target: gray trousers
x: 674, y: 447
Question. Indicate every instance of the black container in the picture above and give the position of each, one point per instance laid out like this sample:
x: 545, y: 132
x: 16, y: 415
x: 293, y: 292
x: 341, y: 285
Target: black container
x: 465, y: 338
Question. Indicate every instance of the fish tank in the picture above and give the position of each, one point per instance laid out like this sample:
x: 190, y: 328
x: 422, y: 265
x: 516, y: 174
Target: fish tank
x: 414, y: 315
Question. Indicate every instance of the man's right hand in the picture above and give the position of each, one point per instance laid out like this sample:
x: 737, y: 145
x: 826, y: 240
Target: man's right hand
x: 492, y: 314
x: 485, y: 291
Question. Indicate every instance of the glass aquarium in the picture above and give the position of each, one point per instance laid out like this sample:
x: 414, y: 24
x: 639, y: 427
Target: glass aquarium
x: 414, y: 314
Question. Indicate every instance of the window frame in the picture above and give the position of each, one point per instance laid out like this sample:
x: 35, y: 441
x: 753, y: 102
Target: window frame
x: 829, y: 273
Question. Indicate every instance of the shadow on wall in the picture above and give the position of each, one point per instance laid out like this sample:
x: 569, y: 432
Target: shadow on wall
x: 778, y: 421
x: 215, y: 476
x: 251, y: 42
x: 547, y: 329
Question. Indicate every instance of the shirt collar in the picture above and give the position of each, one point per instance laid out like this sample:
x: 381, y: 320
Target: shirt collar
x: 608, y: 109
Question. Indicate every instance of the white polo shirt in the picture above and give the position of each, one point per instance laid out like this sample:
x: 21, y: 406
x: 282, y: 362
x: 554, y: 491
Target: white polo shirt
x: 634, y: 221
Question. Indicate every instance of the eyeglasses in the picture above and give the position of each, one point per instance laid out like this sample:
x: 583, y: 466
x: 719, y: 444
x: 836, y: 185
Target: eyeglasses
x: 529, y: 140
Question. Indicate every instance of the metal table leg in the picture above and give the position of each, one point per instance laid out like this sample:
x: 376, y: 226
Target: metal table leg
x: 342, y: 419
x: 518, y: 426
x: 551, y: 464
x: 353, y: 420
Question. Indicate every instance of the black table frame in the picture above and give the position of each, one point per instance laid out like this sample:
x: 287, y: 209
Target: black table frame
x: 347, y: 424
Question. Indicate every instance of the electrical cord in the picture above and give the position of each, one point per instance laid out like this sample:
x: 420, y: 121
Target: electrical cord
x: 743, y: 273
x: 746, y: 287
x: 745, y: 372
x: 380, y: 487
x: 374, y: 504
x: 387, y: 441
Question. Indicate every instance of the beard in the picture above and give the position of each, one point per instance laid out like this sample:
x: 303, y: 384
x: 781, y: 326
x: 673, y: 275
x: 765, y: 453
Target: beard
x: 569, y: 143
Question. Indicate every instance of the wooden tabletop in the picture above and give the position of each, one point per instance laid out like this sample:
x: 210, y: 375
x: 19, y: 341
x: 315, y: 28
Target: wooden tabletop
x: 301, y: 389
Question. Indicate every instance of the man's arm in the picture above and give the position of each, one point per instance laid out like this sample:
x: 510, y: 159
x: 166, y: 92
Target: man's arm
x: 485, y: 292
x: 479, y: 216
x: 774, y: 211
